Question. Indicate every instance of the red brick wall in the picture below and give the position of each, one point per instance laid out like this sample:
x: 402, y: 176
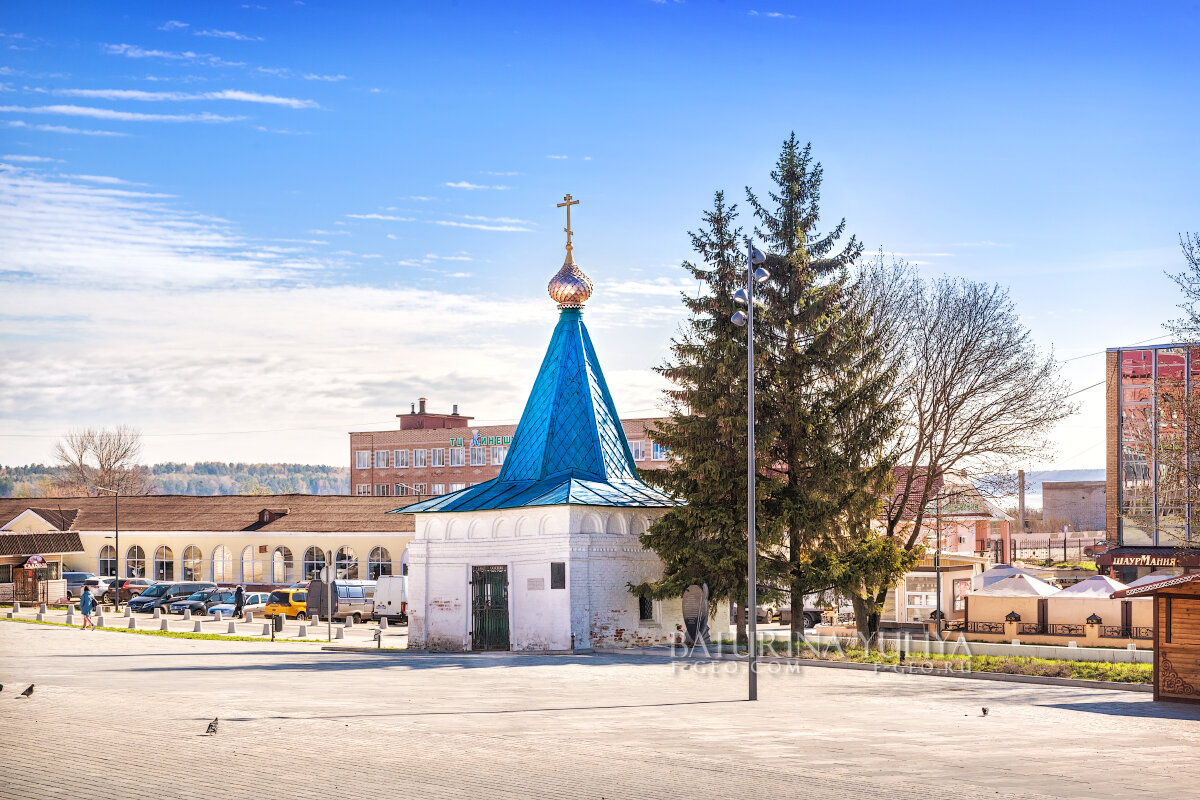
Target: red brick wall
x: 1112, y: 436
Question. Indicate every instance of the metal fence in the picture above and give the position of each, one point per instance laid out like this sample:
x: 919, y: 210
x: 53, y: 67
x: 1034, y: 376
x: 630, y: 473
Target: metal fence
x: 1056, y: 548
x: 1119, y: 632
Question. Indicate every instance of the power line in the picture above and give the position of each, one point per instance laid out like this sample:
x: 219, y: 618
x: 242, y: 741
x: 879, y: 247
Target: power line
x: 1101, y: 352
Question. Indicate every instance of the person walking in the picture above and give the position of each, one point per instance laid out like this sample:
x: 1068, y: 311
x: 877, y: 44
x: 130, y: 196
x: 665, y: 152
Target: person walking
x: 87, y: 604
x: 239, y: 602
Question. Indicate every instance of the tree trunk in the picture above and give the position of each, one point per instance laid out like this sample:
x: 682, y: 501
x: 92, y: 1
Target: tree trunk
x: 866, y: 616
x: 741, y: 628
x: 796, y: 590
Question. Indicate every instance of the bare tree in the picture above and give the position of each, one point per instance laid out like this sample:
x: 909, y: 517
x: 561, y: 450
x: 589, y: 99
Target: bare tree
x: 978, y: 396
x: 89, y: 457
x: 1187, y: 327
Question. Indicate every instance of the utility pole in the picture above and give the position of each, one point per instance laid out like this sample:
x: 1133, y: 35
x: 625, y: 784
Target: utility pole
x: 1020, y: 502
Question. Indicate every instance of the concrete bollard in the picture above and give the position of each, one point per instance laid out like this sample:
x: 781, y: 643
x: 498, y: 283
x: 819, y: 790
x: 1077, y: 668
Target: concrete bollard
x: 41, y: 617
x: 187, y: 612
x: 165, y: 625
x: 158, y: 613
x: 42, y: 608
x: 233, y: 625
x: 316, y: 620
x: 70, y: 615
x: 339, y: 633
x: 198, y: 627
x: 1130, y: 646
x: 349, y: 622
x: 383, y: 620
x: 304, y: 630
x: 129, y: 611
x: 216, y: 615
x: 249, y: 616
x: 17, y: 606
x: 131, y: 624
x: 100, y: 621
x: 266, y: 629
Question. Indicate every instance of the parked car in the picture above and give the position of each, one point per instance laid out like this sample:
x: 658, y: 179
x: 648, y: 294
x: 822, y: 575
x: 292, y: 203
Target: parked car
x: 75, y: 581
x: 290, y: 602
x: 98, y: 586
x: 253, y: 601
x: 391, y: 598
x: 1096, y: 549
x: 201, y: 602
x: 160, y: 595
x: 812, y: 616
x: 350, y: 599
x: 126, y: 588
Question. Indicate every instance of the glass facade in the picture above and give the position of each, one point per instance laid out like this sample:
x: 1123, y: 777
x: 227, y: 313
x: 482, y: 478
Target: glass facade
x: 1158, y: 400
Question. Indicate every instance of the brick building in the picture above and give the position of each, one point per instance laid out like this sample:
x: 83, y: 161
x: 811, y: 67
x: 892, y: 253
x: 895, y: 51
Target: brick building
x: 1079, y: 504
x: 433, y: 454
x: 1152, y: 463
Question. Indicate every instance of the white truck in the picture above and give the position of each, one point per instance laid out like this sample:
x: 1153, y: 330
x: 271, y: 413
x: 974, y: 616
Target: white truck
x: 391, y: 598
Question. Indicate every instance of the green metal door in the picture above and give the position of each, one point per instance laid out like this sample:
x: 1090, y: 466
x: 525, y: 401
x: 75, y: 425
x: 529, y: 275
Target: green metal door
x: 489, y: 608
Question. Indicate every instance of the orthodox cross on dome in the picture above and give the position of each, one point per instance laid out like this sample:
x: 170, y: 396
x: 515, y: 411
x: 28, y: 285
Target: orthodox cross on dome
x: 568, y: 202
x: 570, y: 288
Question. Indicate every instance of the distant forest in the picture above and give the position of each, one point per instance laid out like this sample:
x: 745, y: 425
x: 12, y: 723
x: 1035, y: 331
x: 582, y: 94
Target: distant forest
x: 202, y: 478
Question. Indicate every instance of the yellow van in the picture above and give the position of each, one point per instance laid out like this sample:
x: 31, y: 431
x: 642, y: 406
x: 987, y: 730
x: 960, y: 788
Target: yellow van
x: 288, y: 602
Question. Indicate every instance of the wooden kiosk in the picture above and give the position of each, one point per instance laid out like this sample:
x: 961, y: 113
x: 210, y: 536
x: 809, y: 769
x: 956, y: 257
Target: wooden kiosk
x: 1176, y: 636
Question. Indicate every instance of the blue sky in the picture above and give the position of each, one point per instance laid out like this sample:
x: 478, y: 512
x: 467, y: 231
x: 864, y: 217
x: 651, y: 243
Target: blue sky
x: 250, y: 227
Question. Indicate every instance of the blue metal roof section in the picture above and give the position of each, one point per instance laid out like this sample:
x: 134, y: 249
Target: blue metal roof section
x: 569, y: 446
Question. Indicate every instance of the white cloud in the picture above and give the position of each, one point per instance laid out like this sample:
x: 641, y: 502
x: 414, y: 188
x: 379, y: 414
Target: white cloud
x: 468, y: 185
x: 107, y: 179
x: 330, y: 78
x: 503, y: 174
x: 133, y: 51
x: 237, y: 95
x: 278, y: 72
x: 60, y: 129
x: 240, y: 37
x: 772, y: 14
x: 384, y: 217
x: 421, y: 198
x: 172, y: 25
x: 478, y: 226
x: 461, y: 256
x: 30, y: 159
x: 512, y: 220
x: 124, y: 116
x: 558, y: 158
x: 458, y: 274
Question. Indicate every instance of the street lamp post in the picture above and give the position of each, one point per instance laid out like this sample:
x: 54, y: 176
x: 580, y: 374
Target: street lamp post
x: 746, y: 296
x: 116, y: 544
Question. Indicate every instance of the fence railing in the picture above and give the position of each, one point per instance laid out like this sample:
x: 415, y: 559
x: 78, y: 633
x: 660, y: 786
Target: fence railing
x: 985, y: 627
x: 1119, y: 632
x: 1054, y: 547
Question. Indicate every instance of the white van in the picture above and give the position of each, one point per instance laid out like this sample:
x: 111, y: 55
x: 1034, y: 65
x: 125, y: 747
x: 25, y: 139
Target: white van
x: 391, y: 598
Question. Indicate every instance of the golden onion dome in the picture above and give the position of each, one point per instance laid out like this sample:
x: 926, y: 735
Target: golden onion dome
x: 569, y: 287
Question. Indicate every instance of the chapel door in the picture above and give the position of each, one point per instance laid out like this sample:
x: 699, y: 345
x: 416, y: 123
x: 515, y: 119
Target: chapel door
x: 489, y: 608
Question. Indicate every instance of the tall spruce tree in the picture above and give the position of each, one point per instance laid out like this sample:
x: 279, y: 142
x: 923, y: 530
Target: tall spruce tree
x: 703, y: 541
x: 828, y: 396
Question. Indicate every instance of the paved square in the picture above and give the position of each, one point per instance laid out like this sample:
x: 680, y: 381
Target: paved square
x: 118, y: 715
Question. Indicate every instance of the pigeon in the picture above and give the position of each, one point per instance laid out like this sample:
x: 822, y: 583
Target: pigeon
x: 212, y: 727
x: 985, y: 710
x: 28, y: 692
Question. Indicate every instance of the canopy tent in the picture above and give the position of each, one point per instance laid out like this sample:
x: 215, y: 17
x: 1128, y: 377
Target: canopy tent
x: 1095, y: 586
x: 1153, y: 577
x: 1017, y: 586
x: 997, y: 573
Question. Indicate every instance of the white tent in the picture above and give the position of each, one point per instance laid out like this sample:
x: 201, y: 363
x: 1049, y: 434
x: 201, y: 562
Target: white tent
x: 1095, y: 586
x: 1153, y: 577
x: 1017, y: 586
x: 997, y: 573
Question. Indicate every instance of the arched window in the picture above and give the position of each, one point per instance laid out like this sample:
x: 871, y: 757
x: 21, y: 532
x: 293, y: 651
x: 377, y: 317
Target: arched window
x: 282, y: 566
x: 135, y: 562
x: 314, y: 562
x: 193, y: 569
x: 108, y: 561
x: 164, y: 564
x: 379, y: 563
x: 222, y: 561
x: 345, y: 563
x: 253, y: 570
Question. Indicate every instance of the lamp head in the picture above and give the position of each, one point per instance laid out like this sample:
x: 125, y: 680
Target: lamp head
x: 761, y: 275
x: 738, y: 318
x: 756, y: 256
x: 739, y: 297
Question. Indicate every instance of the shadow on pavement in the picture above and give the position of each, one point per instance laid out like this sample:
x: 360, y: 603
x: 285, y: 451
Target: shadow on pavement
x: 476, y: 712
x: 327, y: 661
x: 1133, y: 708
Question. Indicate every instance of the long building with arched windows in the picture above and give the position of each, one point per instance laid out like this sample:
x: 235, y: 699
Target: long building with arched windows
x: 255, y: 540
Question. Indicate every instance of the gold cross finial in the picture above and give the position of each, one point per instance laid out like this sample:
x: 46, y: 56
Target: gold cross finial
x: 568, y: 202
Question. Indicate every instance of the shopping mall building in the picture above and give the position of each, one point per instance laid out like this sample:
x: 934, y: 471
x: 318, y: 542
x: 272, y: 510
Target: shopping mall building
x: 434, y: 454
x: 1152, y: 503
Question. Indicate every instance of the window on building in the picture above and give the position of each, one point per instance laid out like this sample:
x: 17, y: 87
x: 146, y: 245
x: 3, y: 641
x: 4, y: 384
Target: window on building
x: 193, y: 567
x: 107, y: 566
x: 659, y: 453
x: 382, y: 458
x: 379, y: 563
x: 135, y: 562
x: 362, y: 489
x: 439, y: 456
x: 400, y: 459
x: 253, y: 570
x: 478, y: 456
x: 638, y: 446
x: 419, y: 489
x: 498, y: 455
x: 381, y: 490
x: 314, y: 562
x: 222, y: 564
x: 420, y: 458
x: 558, y: 575
x: 438, y: 488
x: 164, y: 564
x: 282, y: 566
x: 345, y: 564
x: 362, y: 459
x: 401, y: 490
x: 645, y: 609
x: 457, y: 487
x: 6, y: 573
x: 458, y: 457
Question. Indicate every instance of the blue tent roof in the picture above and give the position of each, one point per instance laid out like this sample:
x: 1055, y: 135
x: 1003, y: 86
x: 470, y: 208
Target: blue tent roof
x: 569, y: 446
